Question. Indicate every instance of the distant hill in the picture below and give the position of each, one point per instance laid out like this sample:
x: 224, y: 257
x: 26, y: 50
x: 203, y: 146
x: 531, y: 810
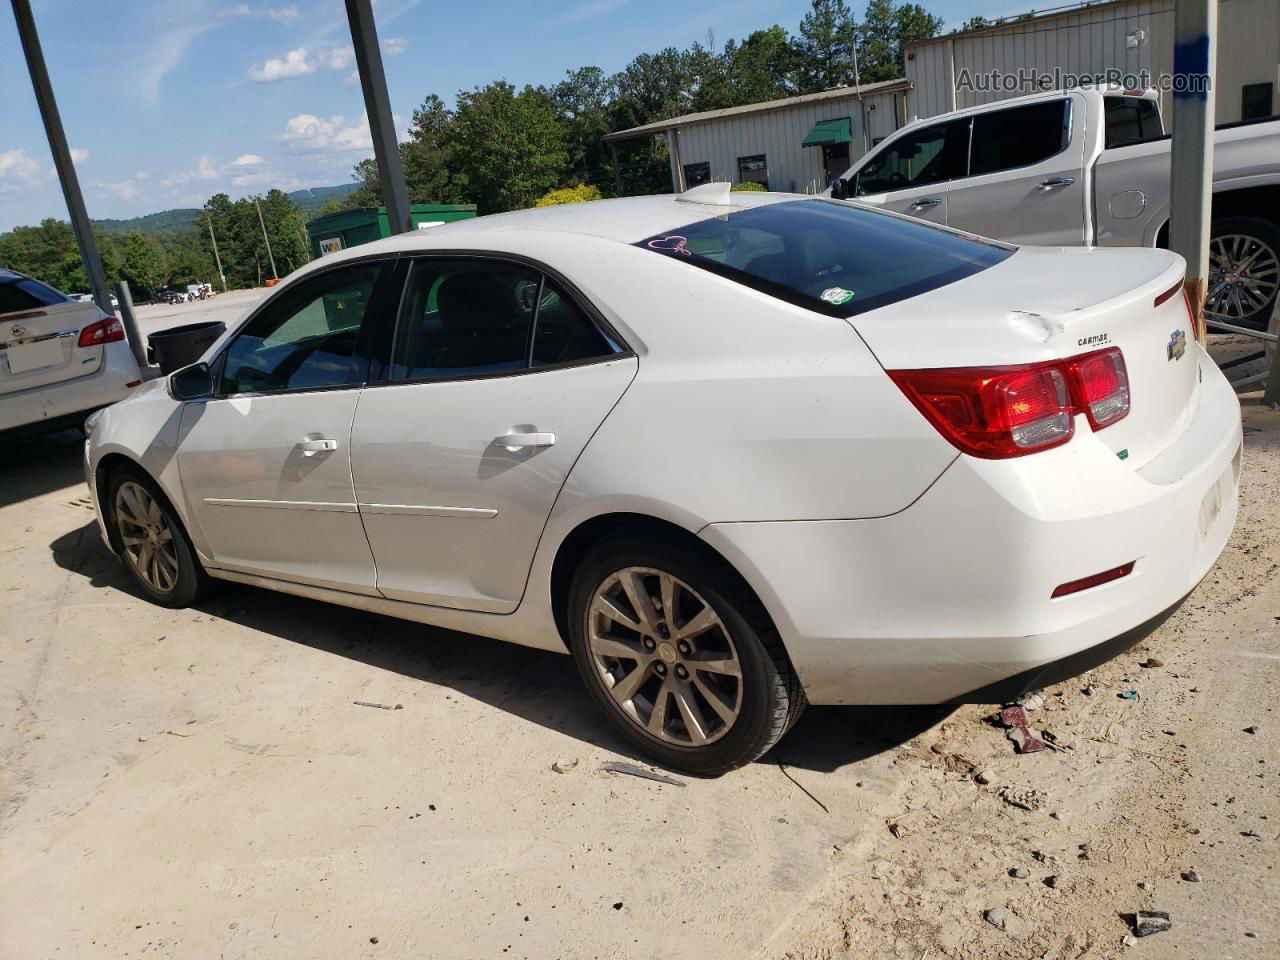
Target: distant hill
x: 309, y: 201
x: 180, y: 219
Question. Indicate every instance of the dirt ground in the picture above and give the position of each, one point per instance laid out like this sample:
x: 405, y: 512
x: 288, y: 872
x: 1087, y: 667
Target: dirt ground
x: 203, y: 783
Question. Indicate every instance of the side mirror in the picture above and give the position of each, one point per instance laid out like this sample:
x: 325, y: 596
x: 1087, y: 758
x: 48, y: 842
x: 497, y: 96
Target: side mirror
x: 191, y: 383
x: 839, y: 189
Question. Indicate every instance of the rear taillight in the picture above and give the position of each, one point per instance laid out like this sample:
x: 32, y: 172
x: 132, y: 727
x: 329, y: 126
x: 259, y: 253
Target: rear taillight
x: 1000, y: 412
x: 1102, y: 383
x: 106, y: 330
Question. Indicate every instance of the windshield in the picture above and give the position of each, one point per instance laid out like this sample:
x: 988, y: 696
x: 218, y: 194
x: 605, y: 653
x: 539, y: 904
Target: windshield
x: 832, y: 257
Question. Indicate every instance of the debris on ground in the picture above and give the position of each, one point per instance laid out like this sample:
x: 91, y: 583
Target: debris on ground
x: 1031, y: 701
x: 1129, y: 694
x: 1151, y: 663
x: 996, y: 916
x: 1147, y: 922
x: 1028, y: 798
x: 564, y: 764
x: 1252, y: 729
x: 1019, y: 729
x: 1191, y: 876
x: 378, y: 706
x: 983, y: 777
x: 632, y: 770
x: 803, y: 788
x: 1019, y: 873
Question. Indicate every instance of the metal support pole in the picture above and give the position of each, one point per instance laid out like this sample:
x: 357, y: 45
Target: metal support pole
x: 617, y: 171
x: 377, y: 104
x: 130, y: 321
x: 80, y: 224
x: 262, y: 223
x: 1195, y: 26
x: 217, y: 259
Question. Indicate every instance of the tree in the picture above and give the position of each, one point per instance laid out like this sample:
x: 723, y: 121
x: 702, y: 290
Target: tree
x: 764, y: 67
x: 882, y: 33
x: 825, y: 46
x: 510, y: 146
x: 582, y: 103
x: 144, y: 264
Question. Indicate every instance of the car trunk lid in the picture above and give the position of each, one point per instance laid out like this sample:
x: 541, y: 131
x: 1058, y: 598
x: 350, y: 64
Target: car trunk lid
x: 40, y: 346
x: 1045, y: 304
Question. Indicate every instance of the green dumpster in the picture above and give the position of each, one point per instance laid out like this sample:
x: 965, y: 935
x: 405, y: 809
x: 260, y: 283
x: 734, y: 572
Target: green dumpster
x: 350, y: 228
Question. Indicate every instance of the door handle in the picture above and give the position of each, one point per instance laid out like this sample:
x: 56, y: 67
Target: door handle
x: 310, y: 448
x: 1057, y: 182
x: 929, y: 202
x: 518, y: 441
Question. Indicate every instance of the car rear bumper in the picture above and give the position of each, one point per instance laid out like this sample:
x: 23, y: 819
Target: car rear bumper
x: 950, y: 599
x: 52, y: 404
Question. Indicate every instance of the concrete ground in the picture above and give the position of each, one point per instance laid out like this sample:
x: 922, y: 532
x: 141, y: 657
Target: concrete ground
x: 226, y: 307
x: 203, y: 783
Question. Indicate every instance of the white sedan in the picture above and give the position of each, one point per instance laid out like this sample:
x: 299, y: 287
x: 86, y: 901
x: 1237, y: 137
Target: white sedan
x: 62, y: 357
x: 735, y: 455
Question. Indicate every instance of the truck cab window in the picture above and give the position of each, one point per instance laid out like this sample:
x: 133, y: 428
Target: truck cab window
x: 1019, y: 136
x: 1131, y: 120
x: 932, y: 155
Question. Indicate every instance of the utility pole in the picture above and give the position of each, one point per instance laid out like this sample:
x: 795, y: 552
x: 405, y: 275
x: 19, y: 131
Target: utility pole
x: 263, y: 224
x: 1195, y: 41
x: 377, y: 104
x: 217, y: 259
x: 80, y: 224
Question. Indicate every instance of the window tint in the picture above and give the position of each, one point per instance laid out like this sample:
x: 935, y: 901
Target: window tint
x: 836, y: 258
x: 565, y: 334
x: 1131, y: 120
x: 1018, y: 137
x: 12, y: 299
x: 696, y: 174
x: 464, y: 318
x: 932, y: 155
x: 305, y: 340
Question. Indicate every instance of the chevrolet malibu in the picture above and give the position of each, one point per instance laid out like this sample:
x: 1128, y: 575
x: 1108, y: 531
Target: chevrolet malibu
x: 734, y: 455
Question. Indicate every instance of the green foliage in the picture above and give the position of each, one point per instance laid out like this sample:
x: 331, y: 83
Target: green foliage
x: 579, y: 194
x: 748, y: 186
x: 825, y: 46
x: 145, y: 265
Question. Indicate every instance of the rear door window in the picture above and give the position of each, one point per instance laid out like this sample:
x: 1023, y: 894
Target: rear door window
x: 932, y: 155
x: 1019, y: 136
x: 836, y: 258
x: 1131, y: 120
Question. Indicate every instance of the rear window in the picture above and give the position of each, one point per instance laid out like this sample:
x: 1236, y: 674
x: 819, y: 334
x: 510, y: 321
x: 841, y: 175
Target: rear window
x: 832, y: 257
x: 1131, y: 120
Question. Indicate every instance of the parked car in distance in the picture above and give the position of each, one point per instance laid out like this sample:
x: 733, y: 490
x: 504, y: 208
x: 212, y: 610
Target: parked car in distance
x: 63, y: 358
x: 1086, y: 167
x: 734, y: 453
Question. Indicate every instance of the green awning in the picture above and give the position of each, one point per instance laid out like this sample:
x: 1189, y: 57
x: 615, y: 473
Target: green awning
x: 829, y: 131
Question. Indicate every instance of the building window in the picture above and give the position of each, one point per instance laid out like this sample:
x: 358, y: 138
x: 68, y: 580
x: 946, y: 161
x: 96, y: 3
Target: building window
x: 696, y: 174
x: 754, y: 170
x: 1256, y: 101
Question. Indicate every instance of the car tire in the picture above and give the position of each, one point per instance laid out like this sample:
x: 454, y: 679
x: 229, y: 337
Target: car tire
x: 1248, y: 236
x: 164, y: 565
x: 677, y: 660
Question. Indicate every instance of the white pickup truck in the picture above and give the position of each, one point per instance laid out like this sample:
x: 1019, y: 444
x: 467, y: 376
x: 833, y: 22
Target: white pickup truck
x: 1086, y: 167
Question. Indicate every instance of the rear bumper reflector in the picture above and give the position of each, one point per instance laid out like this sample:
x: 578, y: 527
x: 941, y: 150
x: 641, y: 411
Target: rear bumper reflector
x: 1094, y: 580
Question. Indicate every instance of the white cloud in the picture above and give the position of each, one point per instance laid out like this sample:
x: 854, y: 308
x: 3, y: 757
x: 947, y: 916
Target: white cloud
x: 166, y: 54
x: 308, y: 132
x: 394, y: 46
x: 353, y: 78
x: 278, y: 14
x: 295, y: 63
x: 339, y: 58
x: 78, y: 155
x: 592, y: 8
x: 248, y: 160
x: 17, y: 165
x: 126, y: 189
x: 205, y: 169
x: 248, y: 179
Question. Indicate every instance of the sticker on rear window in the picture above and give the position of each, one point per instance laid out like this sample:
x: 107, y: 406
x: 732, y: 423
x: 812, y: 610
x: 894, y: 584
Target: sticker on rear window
x: 837, y: 295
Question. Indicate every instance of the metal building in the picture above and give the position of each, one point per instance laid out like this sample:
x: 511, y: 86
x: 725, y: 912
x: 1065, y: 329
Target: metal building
x: 1115, y: 40
x: 796, y: 145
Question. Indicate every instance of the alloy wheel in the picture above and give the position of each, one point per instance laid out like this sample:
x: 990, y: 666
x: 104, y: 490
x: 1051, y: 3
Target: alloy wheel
x: 664, y: 656
x: 1243, y: 275
x: 147, y: 537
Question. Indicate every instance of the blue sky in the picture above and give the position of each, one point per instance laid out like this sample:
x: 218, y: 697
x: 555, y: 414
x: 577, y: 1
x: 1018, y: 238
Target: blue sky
x: 169, y: 101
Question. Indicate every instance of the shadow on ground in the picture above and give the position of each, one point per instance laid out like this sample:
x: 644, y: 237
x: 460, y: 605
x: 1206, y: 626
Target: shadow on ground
x: 537, y: 686
x: 32, y: 466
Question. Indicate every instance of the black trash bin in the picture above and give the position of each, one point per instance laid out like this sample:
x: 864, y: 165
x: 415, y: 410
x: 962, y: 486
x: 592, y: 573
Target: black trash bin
x: 182, y: 346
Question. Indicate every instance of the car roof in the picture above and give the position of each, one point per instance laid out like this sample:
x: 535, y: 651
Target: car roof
x: 624, y: 220
x: 9, y: 276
